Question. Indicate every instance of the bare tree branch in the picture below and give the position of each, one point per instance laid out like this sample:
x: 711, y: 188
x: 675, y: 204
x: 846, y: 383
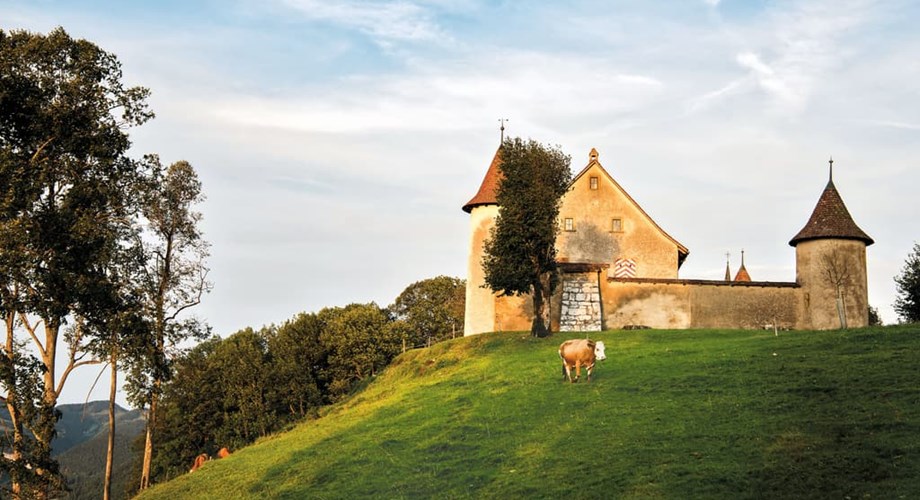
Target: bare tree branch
x: 31, y: 329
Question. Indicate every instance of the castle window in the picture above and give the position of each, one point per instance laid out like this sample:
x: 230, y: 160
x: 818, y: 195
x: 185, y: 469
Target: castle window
x: 593, y: 181
x: 616, y: 225
x: 569, y: 224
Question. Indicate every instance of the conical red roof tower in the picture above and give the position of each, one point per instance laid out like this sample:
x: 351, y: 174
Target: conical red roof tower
x: 831, y: 219
x: 486, y: 193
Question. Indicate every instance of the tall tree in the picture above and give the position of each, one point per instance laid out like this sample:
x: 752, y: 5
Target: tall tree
x: 64, y: 177
x: 520, y: 256
x: 298, y: 360
x: 432, y: 309
x: 907, y: 303
x: 175, y: 281
x: 359, y: 341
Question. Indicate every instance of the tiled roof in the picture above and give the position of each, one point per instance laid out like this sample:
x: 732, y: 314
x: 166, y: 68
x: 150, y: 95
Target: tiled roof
x: 742, y: 274
x: 830, y: 219
x: 486, y: 193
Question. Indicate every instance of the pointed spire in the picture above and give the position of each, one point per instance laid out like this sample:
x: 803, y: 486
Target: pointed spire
x: 728, y: 269
x: 830, y: 218
x: 489, y: 186
x: 742, y: 272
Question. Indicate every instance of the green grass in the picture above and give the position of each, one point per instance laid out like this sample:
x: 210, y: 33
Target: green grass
x: 669, y: 414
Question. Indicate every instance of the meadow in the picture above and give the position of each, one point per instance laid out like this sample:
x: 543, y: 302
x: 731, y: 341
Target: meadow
x: 669, y: 414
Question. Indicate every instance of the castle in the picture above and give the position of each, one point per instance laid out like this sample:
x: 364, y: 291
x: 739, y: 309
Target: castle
x: 620, y: 269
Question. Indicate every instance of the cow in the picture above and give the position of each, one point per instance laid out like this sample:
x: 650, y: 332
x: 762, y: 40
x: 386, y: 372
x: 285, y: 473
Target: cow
x: 199, y: 461
x: 223, y: 453
x: 577, y: 353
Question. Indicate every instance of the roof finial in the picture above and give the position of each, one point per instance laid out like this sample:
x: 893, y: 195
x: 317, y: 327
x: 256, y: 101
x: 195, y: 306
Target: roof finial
x: 742, y: 257
x: 728, y: 271
x: 503, y: 120
x: 831, y: 162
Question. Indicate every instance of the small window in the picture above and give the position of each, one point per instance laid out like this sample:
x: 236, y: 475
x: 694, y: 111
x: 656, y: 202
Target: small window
x: 569, y: 224
x: 593, y: 182
x: 616, y: 225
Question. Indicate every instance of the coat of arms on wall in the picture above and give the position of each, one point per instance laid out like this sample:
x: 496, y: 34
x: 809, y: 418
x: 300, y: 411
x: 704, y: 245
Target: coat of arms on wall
x: 624, y: 268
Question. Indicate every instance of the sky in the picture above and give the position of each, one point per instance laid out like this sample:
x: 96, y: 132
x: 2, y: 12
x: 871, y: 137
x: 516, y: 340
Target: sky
x: 337, y: 140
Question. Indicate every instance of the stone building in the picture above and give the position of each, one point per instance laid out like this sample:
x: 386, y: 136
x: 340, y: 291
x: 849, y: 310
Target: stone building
x: 620, y: 269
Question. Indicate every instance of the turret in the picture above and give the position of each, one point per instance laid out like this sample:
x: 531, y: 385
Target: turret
x: 830, y: 254
x: 479, y: 316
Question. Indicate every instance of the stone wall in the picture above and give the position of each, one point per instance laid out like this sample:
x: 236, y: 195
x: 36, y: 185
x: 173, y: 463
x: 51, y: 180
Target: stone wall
x: 581, y: 309
x: 677, y: 304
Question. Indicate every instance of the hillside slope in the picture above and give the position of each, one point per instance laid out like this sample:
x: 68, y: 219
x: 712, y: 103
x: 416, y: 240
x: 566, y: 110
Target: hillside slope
x: 674, y: 414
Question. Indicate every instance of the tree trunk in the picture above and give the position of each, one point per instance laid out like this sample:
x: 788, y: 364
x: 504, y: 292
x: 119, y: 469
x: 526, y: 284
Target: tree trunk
x: 148, y: 443
x: 16, y: 422
x: 539, y: 327
x: 841, y: 313
x: 110, y: 450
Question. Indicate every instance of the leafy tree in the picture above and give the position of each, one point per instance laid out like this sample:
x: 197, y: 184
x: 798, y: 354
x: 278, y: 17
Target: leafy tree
x: 520, y: 256
x: 298, y: 361
x: 241, y: 363
x: 360, y: 342
x: 432, y: 309
x: 64, y: 185
x: 175, y: 280
x: 907, y: 303
x: 874, y: 318
x: 192, y: 412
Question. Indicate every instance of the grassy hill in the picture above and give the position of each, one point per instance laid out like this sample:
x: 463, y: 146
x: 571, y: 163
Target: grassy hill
x: 670, y: 414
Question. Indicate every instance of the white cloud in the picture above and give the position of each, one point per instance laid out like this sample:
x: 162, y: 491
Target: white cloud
x: 452, y: 96
x: 385, y: 21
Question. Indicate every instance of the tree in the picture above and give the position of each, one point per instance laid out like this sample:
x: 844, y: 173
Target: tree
x: 297, y: 362
x: 175, y: 280
x: 907, y: 303
x: 64, y: 179
x: 836, y: 267
x: 874, y: 318
x: 359, y: 341
x: 520, y: 256
x: 191, y: 412
x: 432, y: 309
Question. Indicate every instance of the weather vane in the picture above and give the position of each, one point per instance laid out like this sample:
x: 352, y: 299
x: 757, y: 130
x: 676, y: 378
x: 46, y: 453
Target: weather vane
x: 503, y: 120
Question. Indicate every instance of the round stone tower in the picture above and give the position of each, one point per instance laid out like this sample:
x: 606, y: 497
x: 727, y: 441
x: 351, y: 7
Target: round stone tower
x: 830, y: 266
x: 479, y: 316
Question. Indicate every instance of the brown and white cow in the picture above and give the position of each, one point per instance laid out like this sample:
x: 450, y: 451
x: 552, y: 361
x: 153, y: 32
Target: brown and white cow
x: 577, y: 353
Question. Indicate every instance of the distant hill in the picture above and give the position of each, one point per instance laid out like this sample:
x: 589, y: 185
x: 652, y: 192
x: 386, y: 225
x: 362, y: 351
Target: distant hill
x: 670, y: 414
x: 80, y: 446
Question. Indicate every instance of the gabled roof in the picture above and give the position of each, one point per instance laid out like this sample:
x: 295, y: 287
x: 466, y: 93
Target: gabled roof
x: 830, y: 220
x: 682, y: 251
x: 489, y: 186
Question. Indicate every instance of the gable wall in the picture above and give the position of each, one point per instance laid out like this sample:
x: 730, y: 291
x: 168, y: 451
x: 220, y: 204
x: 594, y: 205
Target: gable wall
x: 593, y: 239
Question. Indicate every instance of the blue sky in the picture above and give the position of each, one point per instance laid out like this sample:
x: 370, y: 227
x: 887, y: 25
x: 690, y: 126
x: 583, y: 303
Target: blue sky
x: 338, y: 140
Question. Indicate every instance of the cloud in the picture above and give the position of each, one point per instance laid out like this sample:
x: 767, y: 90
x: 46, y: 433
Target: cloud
x: 897, y: 125
x: 384, y: 21
x: 452, y: 96
x: 788, y: 52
